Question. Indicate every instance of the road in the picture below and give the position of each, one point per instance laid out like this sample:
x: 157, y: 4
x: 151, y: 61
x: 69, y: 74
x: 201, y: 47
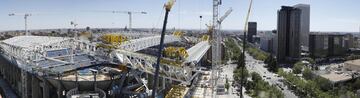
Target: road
x: 227, y: 72
x: 258, y: 66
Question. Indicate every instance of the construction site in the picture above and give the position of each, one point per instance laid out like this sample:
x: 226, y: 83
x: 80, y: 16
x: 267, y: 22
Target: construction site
x: 128, y: 64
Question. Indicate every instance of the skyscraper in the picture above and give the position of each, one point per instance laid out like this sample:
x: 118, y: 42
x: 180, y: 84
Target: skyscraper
x: 288, y: 31
x: 304, y: 23
x: 252, y: 29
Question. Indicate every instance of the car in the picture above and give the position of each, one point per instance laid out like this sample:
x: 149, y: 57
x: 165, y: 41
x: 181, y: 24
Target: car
x: 264, y: 76
x: 268, y: 77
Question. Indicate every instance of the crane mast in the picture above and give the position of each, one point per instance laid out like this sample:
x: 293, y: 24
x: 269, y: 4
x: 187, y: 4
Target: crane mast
x: 214, y: 29
x: 26, y: 15
x: 215, y: 44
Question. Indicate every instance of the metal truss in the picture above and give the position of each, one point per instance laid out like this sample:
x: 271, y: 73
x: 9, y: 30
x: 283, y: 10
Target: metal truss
x: 146, y: 42
x: 146, y: 63
x: 183, y: 72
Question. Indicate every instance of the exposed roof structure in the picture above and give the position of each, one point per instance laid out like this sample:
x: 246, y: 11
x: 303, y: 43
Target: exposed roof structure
x: 197, y: 52
x: 29, y: 42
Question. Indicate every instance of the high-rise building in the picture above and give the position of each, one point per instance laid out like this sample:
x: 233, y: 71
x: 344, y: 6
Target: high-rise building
x: 267, y: 41
x: 304, y: 23
x: 329, y: 44
x: 252, y: 29
x: 288, y: 31
x: 275, y: 42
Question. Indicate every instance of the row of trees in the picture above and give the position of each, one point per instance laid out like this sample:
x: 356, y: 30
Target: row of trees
x: 232, y: 49
x: 314, y: 86
x: 256, y: 87
x: 260, y: 88
x: 271, y: 64
x: 256, y: 53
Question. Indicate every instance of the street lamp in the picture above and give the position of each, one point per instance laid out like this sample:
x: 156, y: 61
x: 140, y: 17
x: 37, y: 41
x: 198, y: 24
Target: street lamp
x: 25, y: 17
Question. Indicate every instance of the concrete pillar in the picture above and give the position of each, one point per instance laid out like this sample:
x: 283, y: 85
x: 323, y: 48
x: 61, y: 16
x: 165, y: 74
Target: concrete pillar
x: 45, y: 89
x: 163, y: 83
x: 59, y: 93
x: 35, y: 88
x: 24, y: 84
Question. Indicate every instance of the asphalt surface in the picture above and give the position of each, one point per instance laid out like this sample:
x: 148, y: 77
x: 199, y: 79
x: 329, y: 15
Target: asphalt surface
x: 227, y: 72
x: 258, y: 66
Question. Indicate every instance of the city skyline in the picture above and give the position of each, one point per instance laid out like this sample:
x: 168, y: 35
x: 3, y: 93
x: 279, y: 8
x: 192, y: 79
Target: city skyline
x: 54, y: 14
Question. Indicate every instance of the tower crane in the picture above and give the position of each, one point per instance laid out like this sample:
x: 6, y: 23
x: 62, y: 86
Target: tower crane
x: 26, y: 15
x: 216, y: 40
x: 130, y: 13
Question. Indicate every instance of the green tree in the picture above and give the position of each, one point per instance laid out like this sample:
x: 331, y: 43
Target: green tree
x: 307, y: 73
x: 272, y: 64
x: 356, y: 84
x: 241, y: 61
x: 323, y: 83
x: 298, y: 67
x: 281, y: 72
x: 255, y: 77
x: 227, y: 86
x: 238, y: 74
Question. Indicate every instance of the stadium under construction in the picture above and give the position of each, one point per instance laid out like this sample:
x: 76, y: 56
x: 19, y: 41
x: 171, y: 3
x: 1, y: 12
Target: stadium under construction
x: 111, y: 65
x: 114, y: 66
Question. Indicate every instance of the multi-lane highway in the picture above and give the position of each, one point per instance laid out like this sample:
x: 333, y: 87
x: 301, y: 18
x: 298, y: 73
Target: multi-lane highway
x: 258, y: 66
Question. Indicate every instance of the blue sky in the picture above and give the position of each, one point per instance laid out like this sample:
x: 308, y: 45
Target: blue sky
x: 326, y: 15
